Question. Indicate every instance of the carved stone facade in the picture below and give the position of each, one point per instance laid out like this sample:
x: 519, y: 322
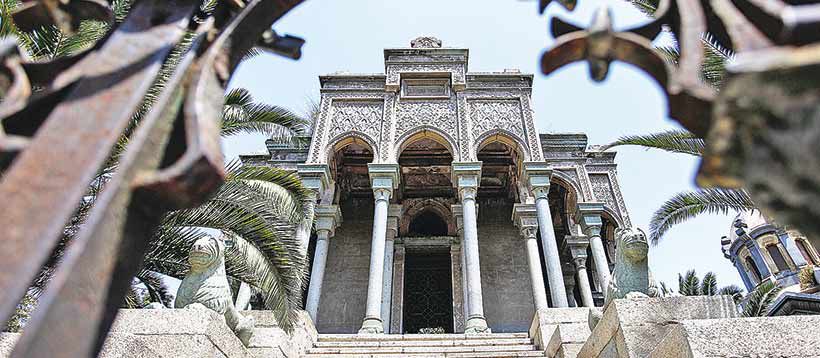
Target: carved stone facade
x: 440, y: 127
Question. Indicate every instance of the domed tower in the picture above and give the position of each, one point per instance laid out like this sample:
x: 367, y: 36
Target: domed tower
x: 762, y: 251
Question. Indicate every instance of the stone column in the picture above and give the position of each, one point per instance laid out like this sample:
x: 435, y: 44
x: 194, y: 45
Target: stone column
x: 588, y: 216
x: 537, y: 175
x: 577, y: 247
x: 791, y: 248
x: 467, y: 176
x: 393, y: 214
x: 526, y: 218
x: 328, y: 217
x: 383, y: 178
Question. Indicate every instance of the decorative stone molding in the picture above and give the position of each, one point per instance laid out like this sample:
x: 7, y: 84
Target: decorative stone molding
x: 496, y: 115
x: 425, y: 42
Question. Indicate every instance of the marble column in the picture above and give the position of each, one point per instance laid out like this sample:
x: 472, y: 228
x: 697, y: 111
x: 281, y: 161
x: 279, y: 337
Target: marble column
x: 588, y: 216
x: 393, y: 214
x: 383, y: 178
x: 328, y: 217
x: 577, y: 247
x: 537, y: 175
x: 526, y: 218
x: 467, y: 176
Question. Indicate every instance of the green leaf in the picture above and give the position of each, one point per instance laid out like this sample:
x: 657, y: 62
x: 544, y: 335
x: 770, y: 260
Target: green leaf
x: 760, y: 299
x: 676, y: 141
x: 689, y: 284
x: 709, y: 287
x: 687, y: 205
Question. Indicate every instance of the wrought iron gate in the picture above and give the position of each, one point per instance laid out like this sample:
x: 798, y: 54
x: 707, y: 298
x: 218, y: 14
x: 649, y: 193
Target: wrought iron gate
x: 428, y: 294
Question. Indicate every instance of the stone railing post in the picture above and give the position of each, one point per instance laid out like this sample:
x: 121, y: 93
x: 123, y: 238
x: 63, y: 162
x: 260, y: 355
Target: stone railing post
x: 384, y: 178
x: 328, y: 218
x: 537, y: 176
x: 525, y: 217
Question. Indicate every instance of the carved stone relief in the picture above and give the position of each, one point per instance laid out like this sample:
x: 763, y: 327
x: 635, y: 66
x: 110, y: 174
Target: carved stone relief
x: 439, y: 114
x: 487, y: 115
x: 361, y: 116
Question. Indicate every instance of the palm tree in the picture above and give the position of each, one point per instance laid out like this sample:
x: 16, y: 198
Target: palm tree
x: 690, y: 284
x: 687, y: 205
x: 755, y: 304
x: 256, y: 209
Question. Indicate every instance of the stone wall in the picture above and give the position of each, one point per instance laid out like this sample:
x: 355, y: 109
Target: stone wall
x: 505, y: 280
x: 344, y: 292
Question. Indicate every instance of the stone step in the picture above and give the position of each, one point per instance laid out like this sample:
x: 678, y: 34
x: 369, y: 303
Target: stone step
x: 427, y: 343
x: 430, y: 355
x: 432, y: 350
x: 416, y: 337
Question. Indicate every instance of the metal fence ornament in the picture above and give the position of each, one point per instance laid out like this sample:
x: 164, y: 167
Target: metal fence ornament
x: 53, y: 143
x: 762, y: 126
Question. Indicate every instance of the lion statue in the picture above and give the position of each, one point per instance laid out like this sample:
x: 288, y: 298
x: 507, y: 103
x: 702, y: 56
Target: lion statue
x: 206, y: 286
x: 631, y: 277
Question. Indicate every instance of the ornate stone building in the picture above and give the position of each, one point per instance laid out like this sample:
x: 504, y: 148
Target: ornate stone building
x: 439, y: 206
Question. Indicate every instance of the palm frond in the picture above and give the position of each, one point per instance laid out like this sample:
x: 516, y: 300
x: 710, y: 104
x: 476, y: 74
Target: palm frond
x: 687, y: 205
x: 760, y: 299
x: 280, y: 282
x: 665, y: 290
x: 241, y: 115
x: 689, y: 284
x: 732, y: 290
x: 157, y: 290
x: 709, y: 286
x: 676, y: 141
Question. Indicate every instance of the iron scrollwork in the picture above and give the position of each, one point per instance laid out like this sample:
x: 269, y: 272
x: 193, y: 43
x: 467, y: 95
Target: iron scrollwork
x: 762, y: 125
x: 54, y: 141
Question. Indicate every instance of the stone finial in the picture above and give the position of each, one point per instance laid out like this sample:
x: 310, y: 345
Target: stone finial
x: 425, y: 42
x: 205, y: 286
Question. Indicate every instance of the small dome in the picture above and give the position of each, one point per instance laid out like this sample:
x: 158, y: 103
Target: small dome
x: 747, y: 221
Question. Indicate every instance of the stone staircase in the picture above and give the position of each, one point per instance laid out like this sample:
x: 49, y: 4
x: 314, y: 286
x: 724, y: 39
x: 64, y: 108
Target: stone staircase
x: 424, y: 345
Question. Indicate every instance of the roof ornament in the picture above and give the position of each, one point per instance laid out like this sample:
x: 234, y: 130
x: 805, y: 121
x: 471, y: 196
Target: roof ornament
x: 425, y: 42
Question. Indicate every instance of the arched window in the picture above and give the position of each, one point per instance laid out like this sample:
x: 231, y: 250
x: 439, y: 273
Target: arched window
x: 427, y: 223
x: 753, y: 270
x: 804, y: 250
x: 777, y: 257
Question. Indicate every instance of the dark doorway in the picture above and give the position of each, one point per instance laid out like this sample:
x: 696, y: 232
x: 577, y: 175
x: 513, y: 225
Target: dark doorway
x: 427, y: 223
x: 428, y: 293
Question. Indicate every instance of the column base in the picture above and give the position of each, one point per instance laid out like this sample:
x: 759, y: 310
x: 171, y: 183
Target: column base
x: 476, y: 325
x: 372, y: 325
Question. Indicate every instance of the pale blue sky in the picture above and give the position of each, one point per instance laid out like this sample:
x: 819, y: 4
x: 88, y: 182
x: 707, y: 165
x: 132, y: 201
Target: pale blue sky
x: 350, y: 35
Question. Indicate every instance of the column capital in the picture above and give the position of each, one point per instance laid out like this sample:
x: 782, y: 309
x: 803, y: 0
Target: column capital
x: 466, y: 174
x: 384, y: 177
x: 328, y: 218
x: 525, y: 217
x: 537, y: 176
x: 576, y: 246
x: 315, y: 177
x: 588, y: 215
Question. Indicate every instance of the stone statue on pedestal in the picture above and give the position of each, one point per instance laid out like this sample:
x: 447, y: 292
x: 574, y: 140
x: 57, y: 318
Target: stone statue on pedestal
x: 631, y: 277
x: 206, y: 286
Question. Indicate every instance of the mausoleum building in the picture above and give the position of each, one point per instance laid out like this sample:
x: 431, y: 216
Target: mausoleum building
x: 439, y: 207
